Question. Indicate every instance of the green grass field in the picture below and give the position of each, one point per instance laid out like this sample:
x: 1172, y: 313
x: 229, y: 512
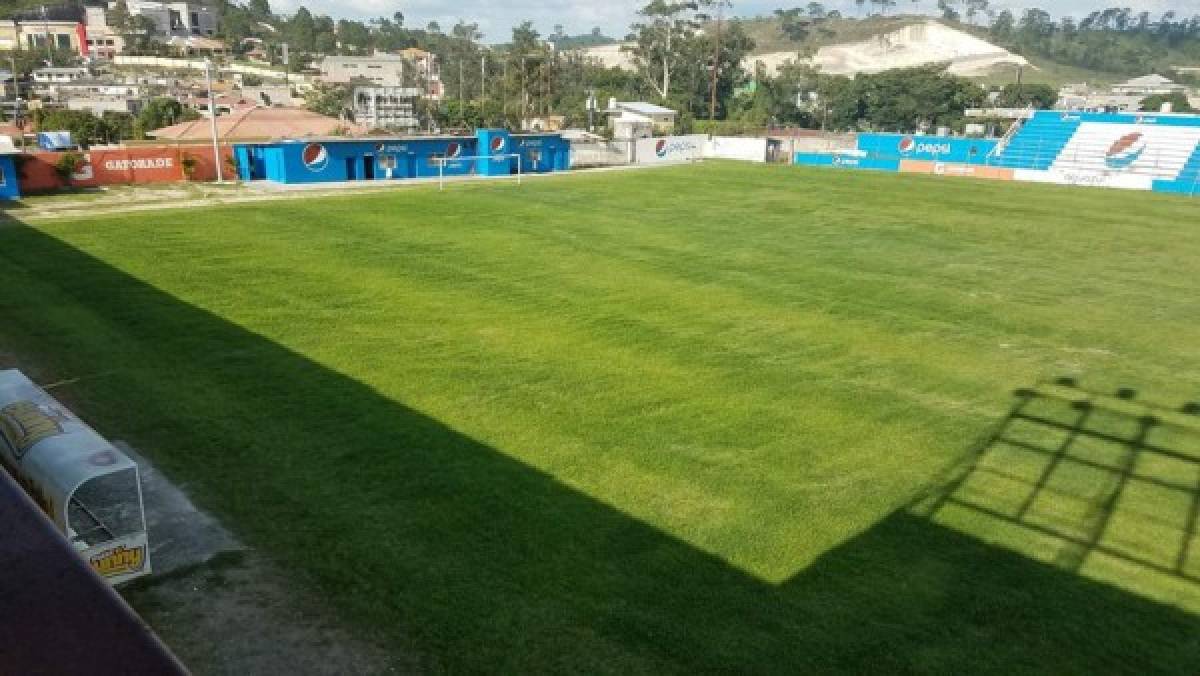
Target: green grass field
x: 713, y: 418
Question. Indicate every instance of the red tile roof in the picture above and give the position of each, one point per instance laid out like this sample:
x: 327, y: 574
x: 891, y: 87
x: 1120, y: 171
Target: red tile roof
x: 259, y: 124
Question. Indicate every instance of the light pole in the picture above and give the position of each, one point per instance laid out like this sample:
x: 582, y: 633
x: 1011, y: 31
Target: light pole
x: 212, y: 118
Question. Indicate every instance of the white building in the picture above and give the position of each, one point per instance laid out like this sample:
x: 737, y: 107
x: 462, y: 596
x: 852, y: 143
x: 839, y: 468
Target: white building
x: 381, y: 70
x: 392, y: 108
x: 181, y: 19
x: 1124, y: 97
x: 412, y: 68
x: 102, y: 41
x: 632, y: 119
x: 44, y: 76
x: 1147, y: 85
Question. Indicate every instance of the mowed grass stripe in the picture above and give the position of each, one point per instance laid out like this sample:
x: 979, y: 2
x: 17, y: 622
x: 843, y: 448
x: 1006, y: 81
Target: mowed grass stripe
x: 734, y: 378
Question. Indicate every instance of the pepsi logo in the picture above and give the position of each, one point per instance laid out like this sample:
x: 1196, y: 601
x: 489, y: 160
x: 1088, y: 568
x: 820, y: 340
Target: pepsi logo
x: 1125, y: 151
x: 660, y: 148
x: 908, y: 144
x: 315, y: 156
x: 498, y: 144
x: 454, y: 149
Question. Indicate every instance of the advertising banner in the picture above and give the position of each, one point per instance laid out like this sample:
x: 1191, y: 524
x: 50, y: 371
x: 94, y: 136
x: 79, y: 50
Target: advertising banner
x: 670, y: 149
x: 1141, y: 148
x: 932, y: 148
x: 123, y: 166
x: 1087, y: 178
x: 736, y: 148
x: 120, y: 560
x: 953, y: 169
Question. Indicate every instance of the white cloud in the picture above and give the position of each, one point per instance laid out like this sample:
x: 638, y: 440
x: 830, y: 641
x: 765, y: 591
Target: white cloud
x: 497, y: 17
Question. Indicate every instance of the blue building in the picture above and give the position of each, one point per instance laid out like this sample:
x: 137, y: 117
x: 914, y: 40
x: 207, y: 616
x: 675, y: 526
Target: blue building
x: 10, y: 180
x: 379, y: 159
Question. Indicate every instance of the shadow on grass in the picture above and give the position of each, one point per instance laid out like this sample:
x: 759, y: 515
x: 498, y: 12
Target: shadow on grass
x: 1098, y: 476
x: 455, y: 550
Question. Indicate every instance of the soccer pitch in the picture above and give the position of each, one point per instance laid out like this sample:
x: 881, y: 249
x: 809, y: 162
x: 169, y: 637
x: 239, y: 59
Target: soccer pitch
x: 721, y: 417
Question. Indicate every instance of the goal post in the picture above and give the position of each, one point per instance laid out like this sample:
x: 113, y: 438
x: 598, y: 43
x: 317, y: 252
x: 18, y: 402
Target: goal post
x: 474, y: 160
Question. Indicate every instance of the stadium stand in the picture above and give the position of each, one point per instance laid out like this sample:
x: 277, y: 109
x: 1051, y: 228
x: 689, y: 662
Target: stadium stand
x: 1136, y: 151
x: 1038, y: 142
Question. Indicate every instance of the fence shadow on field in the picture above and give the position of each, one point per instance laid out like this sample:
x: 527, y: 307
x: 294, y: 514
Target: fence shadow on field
x: 1092, y: 476
x: 481, y: 563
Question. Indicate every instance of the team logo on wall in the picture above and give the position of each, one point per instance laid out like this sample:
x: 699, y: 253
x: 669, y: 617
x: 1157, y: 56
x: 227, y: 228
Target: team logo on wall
x: 907, y: 145
x: 316, y: 157
x: 498, y: 144
x: 660, y: 148
x: 454, y: 149
x: 1125, y: 151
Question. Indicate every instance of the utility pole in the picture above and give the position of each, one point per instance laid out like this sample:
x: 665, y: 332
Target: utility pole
x: 460, y: 83
x: 49, y: 45
x: 712, y: 93
x: 212, y: 114
x: 482, y: 76
x: 524, y: 93
x: 12, y: 57
x: 591, y: 110
x: 287, y: 67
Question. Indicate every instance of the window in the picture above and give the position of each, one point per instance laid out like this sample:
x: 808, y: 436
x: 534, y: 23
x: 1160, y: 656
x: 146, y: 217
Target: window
x: 3, y: 178
x: 385, y: 162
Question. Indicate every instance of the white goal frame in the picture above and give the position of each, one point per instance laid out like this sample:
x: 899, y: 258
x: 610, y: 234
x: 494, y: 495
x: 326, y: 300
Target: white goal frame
x: 442, y: 161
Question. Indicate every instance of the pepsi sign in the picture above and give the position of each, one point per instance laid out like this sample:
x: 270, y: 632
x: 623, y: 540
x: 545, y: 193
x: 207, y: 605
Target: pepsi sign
x: 315, y: 157
x: 909, y: 145
x: 1125, y: 151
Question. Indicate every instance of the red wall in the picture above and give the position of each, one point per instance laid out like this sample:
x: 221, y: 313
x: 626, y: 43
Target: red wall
x: 143, y: 164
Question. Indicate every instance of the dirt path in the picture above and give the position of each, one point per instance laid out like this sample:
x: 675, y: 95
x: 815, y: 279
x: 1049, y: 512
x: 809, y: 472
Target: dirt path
x: 240, y: 615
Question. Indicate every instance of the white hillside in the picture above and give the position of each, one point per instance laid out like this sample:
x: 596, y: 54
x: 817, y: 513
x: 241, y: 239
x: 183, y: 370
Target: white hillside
x: 915, y: 45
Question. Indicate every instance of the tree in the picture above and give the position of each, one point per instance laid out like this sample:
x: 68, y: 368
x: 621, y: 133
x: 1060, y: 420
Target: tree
x: 163, y: 112
x: 1040, y: 96
x: 795, y: 23
x: 329, y: 100
x: 1002, y: 27
x: 301, y: 31
x: 260, y: 10
x: 976, y: 8
x: 85, y: 128
x: 659, y: 41
x: 1178, y: 100
x: 353, y: 36
x: 948, y: 11
x: 118, y: 17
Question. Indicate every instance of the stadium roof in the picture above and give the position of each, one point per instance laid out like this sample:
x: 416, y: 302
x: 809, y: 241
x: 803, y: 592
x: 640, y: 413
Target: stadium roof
x: 254, y: 124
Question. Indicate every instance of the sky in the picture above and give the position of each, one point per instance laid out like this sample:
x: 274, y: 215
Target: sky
x: 496, y: 17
